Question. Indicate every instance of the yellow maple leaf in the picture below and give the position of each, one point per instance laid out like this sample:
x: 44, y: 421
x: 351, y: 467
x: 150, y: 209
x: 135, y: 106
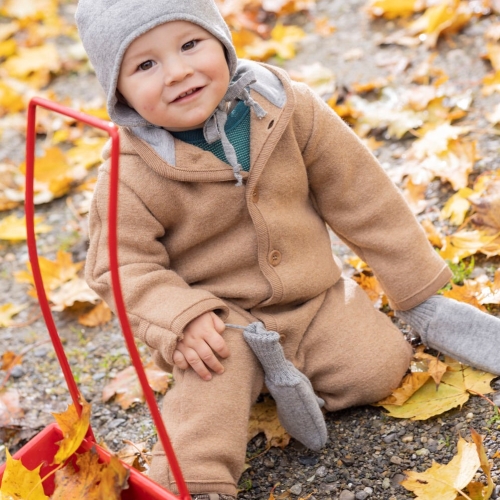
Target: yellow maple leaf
x: 8, y: 48
x: 19, y: 483
x: 264, y: 418
x: 34, y: 64
x: 482, y: 492
x: 8, y: 311
x: 54, y: 273
x: 457, y: 207
x: 282, y: 44
x: 391, y: 9
x: 465, y: 243
x: 445, y: 481
x: 74, y: 428
x: 469, y: 293
x: 87, y: 152
x: 10, y: 100
x: 13, y: 228
x: 454, y: 390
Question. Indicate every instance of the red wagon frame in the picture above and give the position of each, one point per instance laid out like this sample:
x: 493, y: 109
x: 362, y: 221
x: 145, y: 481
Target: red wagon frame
x: 43, y: 447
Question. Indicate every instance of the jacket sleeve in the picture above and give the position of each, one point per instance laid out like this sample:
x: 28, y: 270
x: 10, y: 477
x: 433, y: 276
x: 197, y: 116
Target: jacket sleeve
x: 159, y: 302
x: 366, y: 210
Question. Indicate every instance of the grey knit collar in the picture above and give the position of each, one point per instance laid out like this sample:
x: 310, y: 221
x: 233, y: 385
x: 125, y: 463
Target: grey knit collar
x: 248, y: 75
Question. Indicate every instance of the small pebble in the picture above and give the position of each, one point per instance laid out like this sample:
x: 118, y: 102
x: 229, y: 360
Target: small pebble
x: 17, y: 371
x: 386, y: 483
x: 396, y: 480
x: 347, y: 495
x: 321, y: 472
x: 469, y: 416
x: 407, y: 439
x: 368, y: 490
x: 296, y: 489
x: 361, y: 495
x: 116, y: 423
x: 422, y: 452
x: 396, y: 460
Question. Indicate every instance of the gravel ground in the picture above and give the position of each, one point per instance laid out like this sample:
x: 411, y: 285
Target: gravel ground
x: 367, y: 452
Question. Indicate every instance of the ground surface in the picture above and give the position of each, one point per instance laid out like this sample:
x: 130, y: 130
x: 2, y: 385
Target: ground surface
x: 367, y: 452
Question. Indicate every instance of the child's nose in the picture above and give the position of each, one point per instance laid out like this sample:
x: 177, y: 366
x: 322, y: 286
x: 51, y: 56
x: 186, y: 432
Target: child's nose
x: 177, y: 70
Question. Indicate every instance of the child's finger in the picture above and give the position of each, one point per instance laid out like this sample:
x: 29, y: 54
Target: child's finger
x: 179, y: 360
x: 219, y: 325
x: 218, y: 345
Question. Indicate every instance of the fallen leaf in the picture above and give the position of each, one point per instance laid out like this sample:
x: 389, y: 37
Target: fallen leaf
x: 74, y: 428
x: 444, y: 482
x: 34, y: 64
x: 13, y: 228
x: 19, y: 483
x: 10, y: 359
x: 391, y: 9
x: 10, y: 409
x: 93, y: 480
x: 457, y: 206
x: 482, y: 492
x: 71, y: 292
x: 465, y: 243
x: 264, y: 418
x: 127, y: 388
x: 8, y: 311
x: 131, y: 453
x: 54, y: 273
x: 373, y: 289
x: 454, y: 390
x: 97, y: 316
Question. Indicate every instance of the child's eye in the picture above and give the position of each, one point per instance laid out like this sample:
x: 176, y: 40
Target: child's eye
x: 145, y: 65
x: 190, y: 45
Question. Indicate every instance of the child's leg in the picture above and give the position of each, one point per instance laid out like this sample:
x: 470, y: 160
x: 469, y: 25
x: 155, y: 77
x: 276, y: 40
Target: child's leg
x: 351, y: 352
x: 208, y: 421
x: 458, y: 330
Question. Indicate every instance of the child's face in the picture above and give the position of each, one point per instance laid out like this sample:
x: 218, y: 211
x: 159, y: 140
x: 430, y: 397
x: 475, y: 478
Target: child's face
x: 174, y: 75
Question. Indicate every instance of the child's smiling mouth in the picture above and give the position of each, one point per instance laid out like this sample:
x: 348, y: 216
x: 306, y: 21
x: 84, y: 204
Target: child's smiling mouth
x: 188, y: 94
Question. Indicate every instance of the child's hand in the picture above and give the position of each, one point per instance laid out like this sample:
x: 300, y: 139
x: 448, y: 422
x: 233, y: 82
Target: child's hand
x: 202, y: 339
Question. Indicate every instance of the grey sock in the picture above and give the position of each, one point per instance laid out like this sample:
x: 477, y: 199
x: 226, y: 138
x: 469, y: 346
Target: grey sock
x: 299, y: 409
x: 459, y: 330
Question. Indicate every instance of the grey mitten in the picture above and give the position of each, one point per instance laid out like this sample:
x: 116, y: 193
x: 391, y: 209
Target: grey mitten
x: 459, y: 330
x: 299, y: 409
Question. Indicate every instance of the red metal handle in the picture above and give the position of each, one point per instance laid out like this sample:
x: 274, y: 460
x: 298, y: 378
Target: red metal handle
x: 114, y: 268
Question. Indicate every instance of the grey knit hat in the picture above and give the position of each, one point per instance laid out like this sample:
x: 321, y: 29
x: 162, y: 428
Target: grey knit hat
x: 108, y: 27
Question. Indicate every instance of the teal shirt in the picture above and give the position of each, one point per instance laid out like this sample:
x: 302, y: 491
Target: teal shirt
x: 237, y: 130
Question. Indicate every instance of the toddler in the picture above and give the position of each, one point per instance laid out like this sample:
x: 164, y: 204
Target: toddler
x: 230, y: 173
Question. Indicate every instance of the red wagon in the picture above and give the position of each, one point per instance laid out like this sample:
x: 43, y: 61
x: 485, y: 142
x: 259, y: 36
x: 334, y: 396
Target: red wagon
x: 43, y: 447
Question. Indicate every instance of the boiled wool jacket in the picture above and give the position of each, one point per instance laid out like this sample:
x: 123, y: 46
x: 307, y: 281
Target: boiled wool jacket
x: 190, y: 241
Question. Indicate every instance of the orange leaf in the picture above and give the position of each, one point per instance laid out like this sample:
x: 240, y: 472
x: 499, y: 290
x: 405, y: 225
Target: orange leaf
x: 410, y: 384
x: 127, y: 388
x: 10, y: 359
x: 93, y: 480
x: 98, y: 315
x: 74, y: 428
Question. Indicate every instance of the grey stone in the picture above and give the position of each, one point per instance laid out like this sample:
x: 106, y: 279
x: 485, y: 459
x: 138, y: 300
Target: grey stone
x: 361, y: 495
x: 296, y: 489
x: 17, y: 371
x: 386, y: 483
x: 116, y: 423
x: 396, y: 479
x: 396, y: 460
x: 347, y: 495
x: 321, y: 472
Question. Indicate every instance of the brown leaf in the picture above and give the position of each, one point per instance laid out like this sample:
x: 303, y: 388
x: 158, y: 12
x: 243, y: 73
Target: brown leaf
x: 264, y: 418
x: 127, y: 388
x: 10, y: 409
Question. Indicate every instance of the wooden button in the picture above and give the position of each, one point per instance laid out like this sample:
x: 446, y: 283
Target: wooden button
x: 274, y: 258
